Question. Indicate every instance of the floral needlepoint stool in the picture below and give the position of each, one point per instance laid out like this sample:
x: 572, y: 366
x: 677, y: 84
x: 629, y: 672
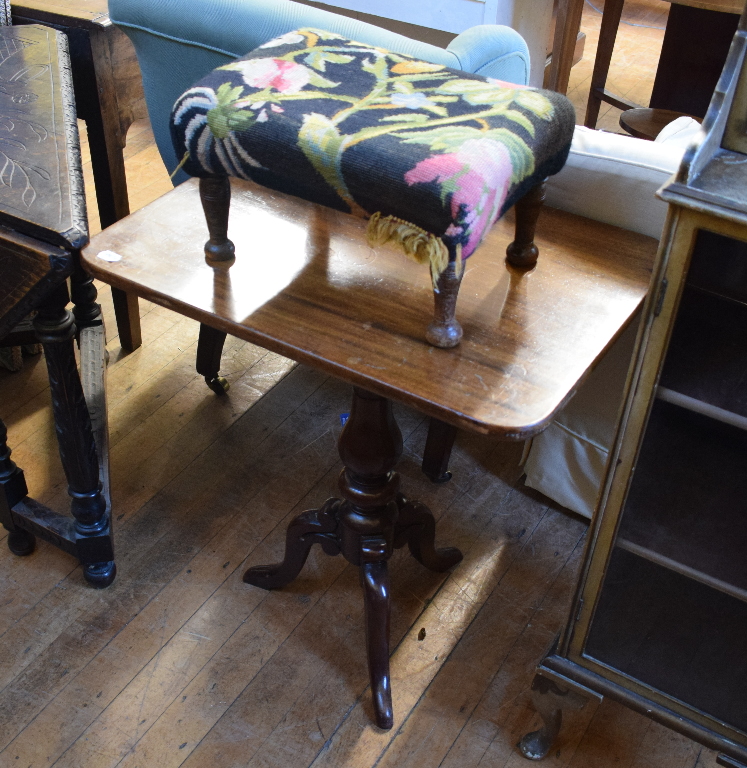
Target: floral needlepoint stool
x: 431, y: 156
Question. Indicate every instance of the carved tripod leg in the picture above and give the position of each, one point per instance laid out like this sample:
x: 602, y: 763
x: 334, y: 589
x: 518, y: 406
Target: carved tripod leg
x: 12, y: 490
x: 370, y: 445
x: 209, y: 349
x: 55, y: 329
x: 375, y: 584
x: 215, y: 195
x: 317, y: 526
x: 549, y: 700
x: 523, y: 252
x: 437, y: 452
x: 417, y: 526
x: 445, y: 331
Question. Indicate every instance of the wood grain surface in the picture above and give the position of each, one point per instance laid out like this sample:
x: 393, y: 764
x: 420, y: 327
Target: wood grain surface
x: 85, y: 12
x: 306, y: 284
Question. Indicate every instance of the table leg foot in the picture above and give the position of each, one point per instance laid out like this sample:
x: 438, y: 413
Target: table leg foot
x: 100, y: 575
x: 549, y: 700
x: 375, y: 583
x: 21, y: 542
x: 417, y: 527
x: 318, y: 526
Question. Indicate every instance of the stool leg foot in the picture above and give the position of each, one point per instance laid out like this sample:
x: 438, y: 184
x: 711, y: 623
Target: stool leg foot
x: 417, y: 526
x: 318, y: 526
x: 445, y: 331
x: 209, y: 349
x: 375, y: 583
x: 215, y: 195
x: 523, y: 252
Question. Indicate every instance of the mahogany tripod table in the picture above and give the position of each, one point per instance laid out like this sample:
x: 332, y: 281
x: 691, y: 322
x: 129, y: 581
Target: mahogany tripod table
x: 306, y: 285
x: 43, y: 226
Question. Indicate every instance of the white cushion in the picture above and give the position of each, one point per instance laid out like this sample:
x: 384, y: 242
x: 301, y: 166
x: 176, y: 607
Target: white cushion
x: 679, y: 133
x: 614, y: 178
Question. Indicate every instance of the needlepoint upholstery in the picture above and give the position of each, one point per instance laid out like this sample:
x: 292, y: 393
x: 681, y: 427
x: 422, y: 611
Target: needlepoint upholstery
x: 431, y: 155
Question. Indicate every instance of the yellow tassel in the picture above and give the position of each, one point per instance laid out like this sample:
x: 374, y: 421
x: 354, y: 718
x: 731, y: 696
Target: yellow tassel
x: 417, y: 243
x: 181, y: 165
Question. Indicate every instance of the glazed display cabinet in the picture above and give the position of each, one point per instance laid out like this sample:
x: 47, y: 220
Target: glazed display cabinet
x: 659, y: 621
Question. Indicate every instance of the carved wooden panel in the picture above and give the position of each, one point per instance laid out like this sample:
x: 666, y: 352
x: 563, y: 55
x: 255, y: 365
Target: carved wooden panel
x: 29, y: 271
x: 41, y: 186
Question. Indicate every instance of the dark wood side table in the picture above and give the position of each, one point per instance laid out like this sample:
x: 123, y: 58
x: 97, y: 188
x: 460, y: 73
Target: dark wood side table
x: 306, y: 284
x: 43, y: 226
x: 109, y: 97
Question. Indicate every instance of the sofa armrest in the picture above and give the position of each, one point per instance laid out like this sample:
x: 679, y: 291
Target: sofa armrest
x: 492, y: 50
x: 614, y: 179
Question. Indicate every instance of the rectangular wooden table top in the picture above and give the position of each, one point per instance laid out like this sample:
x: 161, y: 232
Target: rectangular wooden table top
x: 84, y: 13
x: 307, y: 285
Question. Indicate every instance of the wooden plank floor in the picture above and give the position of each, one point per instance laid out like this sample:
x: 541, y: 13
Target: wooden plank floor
x: 180, y: 663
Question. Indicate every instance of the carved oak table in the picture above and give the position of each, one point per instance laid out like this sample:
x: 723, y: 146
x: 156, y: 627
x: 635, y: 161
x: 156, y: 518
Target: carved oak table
x: 42, y: 228
x: 305, y: 283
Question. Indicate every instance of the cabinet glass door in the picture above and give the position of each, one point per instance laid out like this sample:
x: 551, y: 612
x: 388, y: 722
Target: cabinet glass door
x: 672, y: 612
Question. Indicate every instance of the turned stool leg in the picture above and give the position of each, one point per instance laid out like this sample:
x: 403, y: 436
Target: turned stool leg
x: 215, y: 195
x: 55, y: 329
x: 438, y: 445
x: 209, y: 350
x: 523, y: 252
x: 445, y: 331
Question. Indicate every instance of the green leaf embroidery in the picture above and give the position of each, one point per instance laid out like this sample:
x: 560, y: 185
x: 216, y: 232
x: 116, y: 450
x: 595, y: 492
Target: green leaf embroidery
x: 520, y: 119
x: 322, y: 144
x: 445, y: 139
x: 536, y: 103
x: 415, y: 117
x: 318, y: 59
x: 318, y: 81
x: 223, y: 120
x: 477, y: 92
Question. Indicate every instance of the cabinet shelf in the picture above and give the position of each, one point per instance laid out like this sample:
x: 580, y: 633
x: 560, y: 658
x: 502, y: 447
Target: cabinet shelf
x: 675, y: 635
x: 686, y: 508
x: 707, y: 358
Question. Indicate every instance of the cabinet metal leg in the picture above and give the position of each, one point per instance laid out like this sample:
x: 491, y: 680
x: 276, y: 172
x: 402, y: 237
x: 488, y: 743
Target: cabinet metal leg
x: 549, y: 700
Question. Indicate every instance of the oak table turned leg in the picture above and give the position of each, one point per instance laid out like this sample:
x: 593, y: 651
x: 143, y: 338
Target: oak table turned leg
x: 370, y: 520
x: 55, y: 329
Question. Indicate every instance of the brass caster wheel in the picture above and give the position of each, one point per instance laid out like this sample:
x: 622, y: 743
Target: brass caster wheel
x: 218, y: 384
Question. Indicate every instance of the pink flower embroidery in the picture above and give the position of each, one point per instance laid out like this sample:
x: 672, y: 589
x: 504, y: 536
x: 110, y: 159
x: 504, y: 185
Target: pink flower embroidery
x: 477, y: 175
x: 283, y: 76
x: 505, y: 84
